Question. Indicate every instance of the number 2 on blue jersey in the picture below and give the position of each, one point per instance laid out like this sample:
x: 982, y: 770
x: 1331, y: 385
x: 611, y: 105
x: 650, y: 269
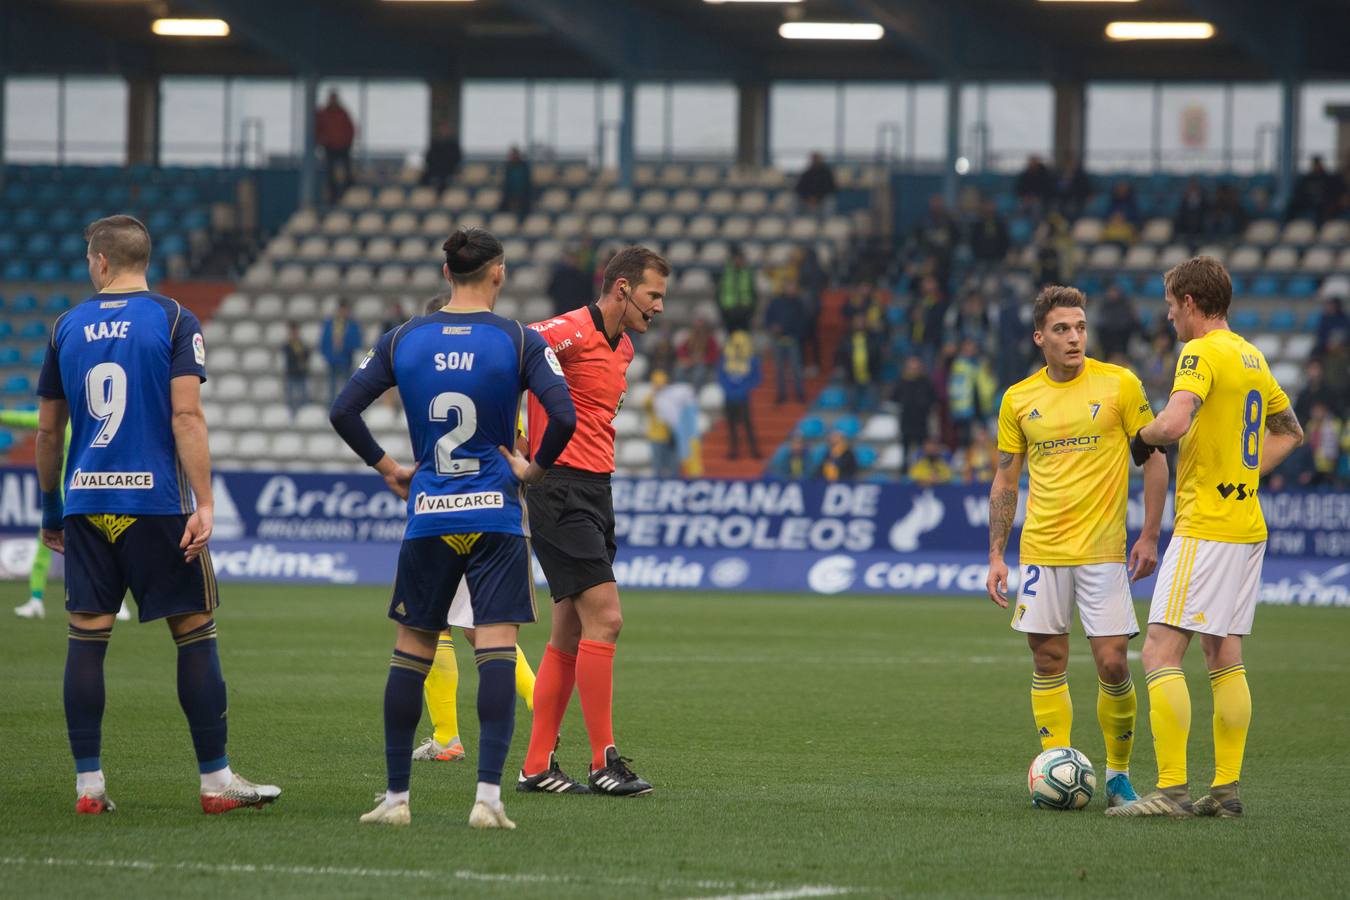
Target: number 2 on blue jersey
x: 1251, y: 429
x: 462, y: 405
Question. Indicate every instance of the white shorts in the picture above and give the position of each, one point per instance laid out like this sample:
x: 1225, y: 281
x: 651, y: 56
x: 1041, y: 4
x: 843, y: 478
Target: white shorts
x: 461, y: 609
x: 1047, y: 594
x: 1208, y: 586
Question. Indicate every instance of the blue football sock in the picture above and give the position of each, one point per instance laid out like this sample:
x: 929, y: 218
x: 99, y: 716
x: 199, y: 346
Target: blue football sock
x: 402, y: 710
x: 201, y: 693
x: 86, y: 649
x: 496, y: 709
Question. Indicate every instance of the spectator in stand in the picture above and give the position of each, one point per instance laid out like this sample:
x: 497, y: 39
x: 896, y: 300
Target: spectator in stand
x: 661, y: 354
x: 970, y: 319
x: 1336, y: 365
x: 859, y: 359
x: 970, y: 389
x: 978, y: 467
x: 517, y: 184
x: 1035, y: 186
x: 936, y: 238
x: 736, y: 292
x: 570, y: 287
x: 295, y: 356
x: 665, y: 451
x: 395, y: 316
x: 932, y: 467
x: 1054, y: 251
x: 335, y: 133
x: 796, y: 464
x: 696, y: 356
x: 1227, y: 218
x: 1316, y: 192
x: 815, y: 186
x: 989, y: 241
x: 1323, y: 431
x: 1193, y: 211
x: 1315, y: 391
x: 813, y: 281
x: 1123, y: 202
x: 785, y: 320
x: 916, y: 397
x: 1159, y: 369
x: 1013, y: 341
x: 1332, y: 320
x: 1116, y: 322
x: 1073, y: 187
x: 926, y: 317
x: 443, y: 157
x: 739, y: 375
x: 340, y: 339
x: 840, y: 462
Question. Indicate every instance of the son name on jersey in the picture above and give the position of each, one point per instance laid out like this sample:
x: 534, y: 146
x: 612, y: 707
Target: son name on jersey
x: 455, y: 359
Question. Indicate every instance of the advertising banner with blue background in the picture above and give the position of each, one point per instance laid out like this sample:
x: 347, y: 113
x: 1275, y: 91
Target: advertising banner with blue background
x: 701, y: 534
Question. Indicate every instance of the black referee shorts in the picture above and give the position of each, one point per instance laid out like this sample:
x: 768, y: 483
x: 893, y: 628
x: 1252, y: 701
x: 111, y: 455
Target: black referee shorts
x: 572, y: 529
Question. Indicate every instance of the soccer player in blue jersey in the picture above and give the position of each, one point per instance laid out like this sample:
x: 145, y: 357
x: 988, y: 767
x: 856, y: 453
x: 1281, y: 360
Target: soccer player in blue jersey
x: 125, y: 367
x: 460, y: 373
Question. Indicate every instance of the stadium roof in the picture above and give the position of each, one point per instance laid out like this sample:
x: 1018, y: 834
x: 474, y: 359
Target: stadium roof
x: 660, y: 39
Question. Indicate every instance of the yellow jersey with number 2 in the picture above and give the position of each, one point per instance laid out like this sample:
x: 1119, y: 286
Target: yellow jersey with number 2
x: 1076, y: 438
x: 1219, y: 465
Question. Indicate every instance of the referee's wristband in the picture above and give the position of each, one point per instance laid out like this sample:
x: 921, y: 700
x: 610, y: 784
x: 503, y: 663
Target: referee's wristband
x: 53, y: 510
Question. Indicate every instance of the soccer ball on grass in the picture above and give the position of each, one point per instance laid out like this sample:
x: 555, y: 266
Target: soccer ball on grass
x: 1061, y: 778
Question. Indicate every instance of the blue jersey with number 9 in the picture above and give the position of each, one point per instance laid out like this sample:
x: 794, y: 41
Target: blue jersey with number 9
x: 111, y: 358
x: 460, y: 376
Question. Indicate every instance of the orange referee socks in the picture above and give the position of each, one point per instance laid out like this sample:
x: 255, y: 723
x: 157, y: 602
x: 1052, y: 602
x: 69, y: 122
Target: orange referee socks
x: 552, y: 692
x: 595, y: 683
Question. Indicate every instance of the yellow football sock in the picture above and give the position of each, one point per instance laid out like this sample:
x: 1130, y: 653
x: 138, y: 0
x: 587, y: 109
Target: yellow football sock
x: 1169, y: 712
x: 1052, y: 708
x: 1116, y: 709
x: 441, y: 684
x: 1232, y: 716
x: 524, y: 679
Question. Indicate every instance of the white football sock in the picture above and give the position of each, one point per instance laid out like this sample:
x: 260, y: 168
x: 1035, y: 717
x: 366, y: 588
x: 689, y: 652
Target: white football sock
x: 89, y: 783
x: 1112, y: 773
x: 217, y: 781
x: 491, y: 794
x: 394, y: 798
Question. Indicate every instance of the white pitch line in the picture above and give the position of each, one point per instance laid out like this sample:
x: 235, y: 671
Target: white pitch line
x: 140, y: 865
x: 789, y: 894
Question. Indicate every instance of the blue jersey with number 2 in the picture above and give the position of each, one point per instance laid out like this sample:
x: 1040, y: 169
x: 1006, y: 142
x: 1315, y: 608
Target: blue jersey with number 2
x: 460, y: 375
x: 111, y: 359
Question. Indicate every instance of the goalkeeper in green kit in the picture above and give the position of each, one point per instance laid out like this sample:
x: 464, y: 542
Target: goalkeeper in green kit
x: 35, y: 608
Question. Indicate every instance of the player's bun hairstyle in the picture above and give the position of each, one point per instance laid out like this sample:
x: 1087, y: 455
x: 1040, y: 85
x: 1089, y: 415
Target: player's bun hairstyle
x: 469, y: 252
x: 1054, y: 296
x: 123, y: 240
x: 630, y: 263
x: 1206, y: 280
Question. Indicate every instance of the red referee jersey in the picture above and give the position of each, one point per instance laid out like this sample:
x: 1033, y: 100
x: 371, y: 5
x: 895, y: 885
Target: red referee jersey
x: 596, y: 370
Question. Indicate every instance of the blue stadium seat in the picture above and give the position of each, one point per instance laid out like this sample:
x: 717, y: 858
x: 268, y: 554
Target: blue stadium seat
x: 86, y: 194
x: 56, y: 303
x: 26, y: 220
x: 38, y: 355
x: 833, y: 397
x: 1283, y: 320
x: 1145, y: 316
x: 867, y: 456
x: 1314, y: 319
x: 1240, y: 284
x: 1020, y: 230
x: 1264, y: 286
x: 1301, y: 287
x: 77, y: 271
x: 196, y: 220
x: 816, y: 456
x: 18, y: 270
x: 172, y: 245
x: 63, y: 220
x: 17, y: 194
x: 848, y: 425
x: 23, y: 303
x: 6, y: 441
x: 48, y: 195
x: 33, y: 330
x: 72, y: 245
x: 1125, y: 283
x: 1246, y: 320
x: 811, y: 428
x: 9, y: 245
x: 160, y: 221
x: 39, y: 244
x: 6, y: 329
x: 115, y: 196
x: 10, y: 356
x: 50, y: 270
x: 17, y: 384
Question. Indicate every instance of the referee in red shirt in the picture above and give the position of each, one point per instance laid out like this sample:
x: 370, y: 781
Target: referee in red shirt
x: 572, y: 526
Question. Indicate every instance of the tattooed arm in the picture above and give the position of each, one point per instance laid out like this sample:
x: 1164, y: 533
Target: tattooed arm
x: 1174, y: 421
x: 1283, y: 436
x: 1002, y: 510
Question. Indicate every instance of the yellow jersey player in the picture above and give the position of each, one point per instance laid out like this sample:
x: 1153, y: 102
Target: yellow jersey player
x: 1073, y: 421
x: 1235, y: 425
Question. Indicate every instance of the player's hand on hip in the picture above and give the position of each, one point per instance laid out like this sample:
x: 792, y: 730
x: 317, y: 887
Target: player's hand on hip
x: 399, y: 480
x: 54, y: 539
x: 196, y: 533
x: 1143, y: 558
x: 526, y: 472
x: 997, y: 583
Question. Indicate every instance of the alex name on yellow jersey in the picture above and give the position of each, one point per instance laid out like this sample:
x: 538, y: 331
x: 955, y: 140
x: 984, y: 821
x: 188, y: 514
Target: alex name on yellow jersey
x: 1219, y: 464
x: 1076, y: 438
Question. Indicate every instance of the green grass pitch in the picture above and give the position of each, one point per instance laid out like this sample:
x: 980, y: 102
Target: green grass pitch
x: 800, y: 746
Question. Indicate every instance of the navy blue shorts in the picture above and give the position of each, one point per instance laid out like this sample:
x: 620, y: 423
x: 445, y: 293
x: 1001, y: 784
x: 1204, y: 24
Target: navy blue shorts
x: 501, y: 586
x: 108, y: 553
